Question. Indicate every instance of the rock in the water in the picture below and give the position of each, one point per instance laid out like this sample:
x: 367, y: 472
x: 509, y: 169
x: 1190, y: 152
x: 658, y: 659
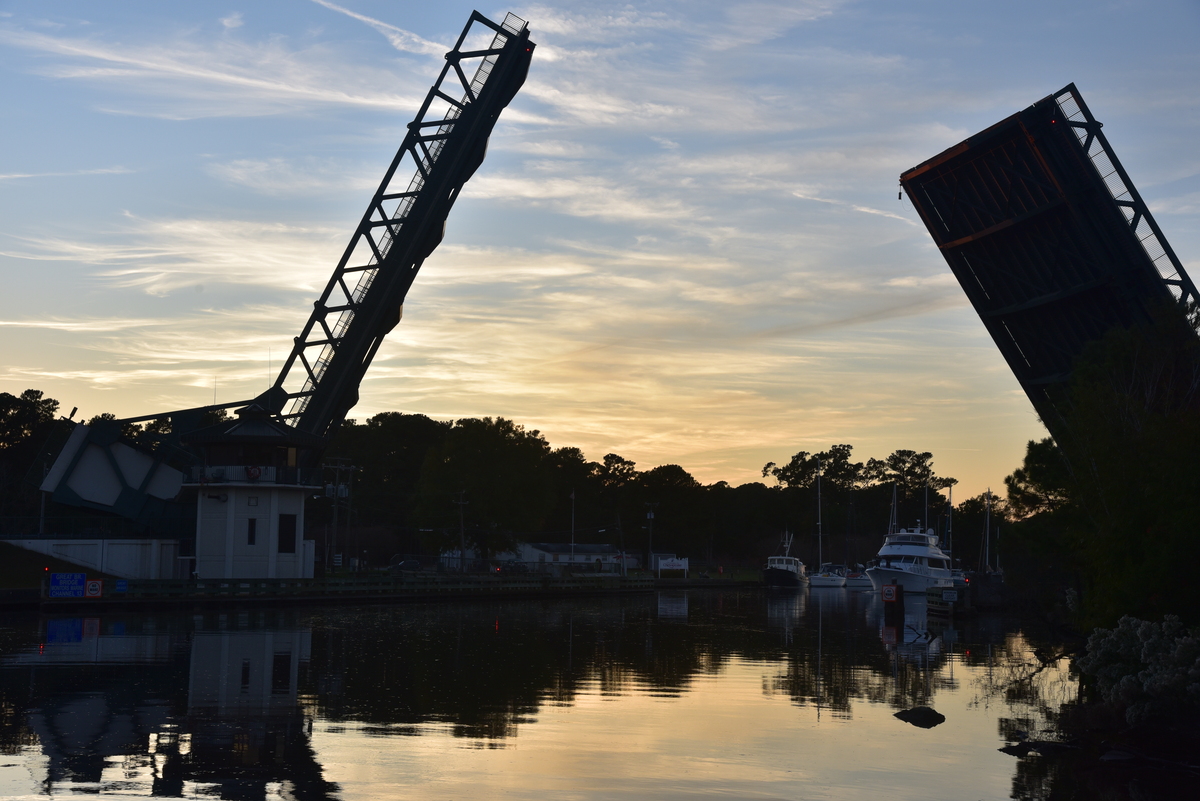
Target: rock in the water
x: 1046, y: 748
x: 1051, y: 747
x: 1116, y: 755
x: 922, y: 716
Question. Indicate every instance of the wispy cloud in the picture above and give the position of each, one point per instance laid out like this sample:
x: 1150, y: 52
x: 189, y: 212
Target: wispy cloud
x: 160, y: 256
x: 855, y: 207
x: 684, y: 246
x: 402, y: 40
x: 280, y: 177
x: 99, y: 171
x: 220, y: 78
x: 93, y: 325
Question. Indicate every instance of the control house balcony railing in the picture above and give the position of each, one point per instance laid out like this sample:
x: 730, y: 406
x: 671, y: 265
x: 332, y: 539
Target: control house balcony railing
x: 252, y: 474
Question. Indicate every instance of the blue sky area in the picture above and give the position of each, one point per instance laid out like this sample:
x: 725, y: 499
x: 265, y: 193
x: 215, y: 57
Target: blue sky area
x: 685, y: 245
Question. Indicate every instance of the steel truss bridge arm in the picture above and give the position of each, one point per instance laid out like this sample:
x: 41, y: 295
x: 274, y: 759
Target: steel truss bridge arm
x: 404, y: 222
x: 97, y: 467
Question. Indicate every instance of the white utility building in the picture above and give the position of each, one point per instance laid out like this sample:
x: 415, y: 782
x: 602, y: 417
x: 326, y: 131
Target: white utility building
x: 250, y: 495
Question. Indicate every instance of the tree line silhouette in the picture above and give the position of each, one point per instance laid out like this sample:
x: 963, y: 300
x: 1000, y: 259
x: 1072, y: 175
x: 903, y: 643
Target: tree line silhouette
x: 417, y: 480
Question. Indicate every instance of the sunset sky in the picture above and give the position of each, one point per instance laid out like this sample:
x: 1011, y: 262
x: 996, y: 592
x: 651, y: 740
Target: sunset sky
x: 685, y: 245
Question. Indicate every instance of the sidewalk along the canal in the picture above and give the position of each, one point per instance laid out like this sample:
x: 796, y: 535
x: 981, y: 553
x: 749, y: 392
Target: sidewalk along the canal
x: 379, y: 586
x: 25, y: 578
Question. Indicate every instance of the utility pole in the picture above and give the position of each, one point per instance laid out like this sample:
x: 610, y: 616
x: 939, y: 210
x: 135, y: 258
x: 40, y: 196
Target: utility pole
x: 621, y: 534
x: 333, y: 540
x: 338, y: 466
x: 650, y: 517
x: 572, y: 524
x: 462, y: 536
x: 42, y: 509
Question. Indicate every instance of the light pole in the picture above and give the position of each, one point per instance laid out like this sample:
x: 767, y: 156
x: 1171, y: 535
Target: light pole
x: 462, y: 537
x: 338, y: 465
x: 650, y: 517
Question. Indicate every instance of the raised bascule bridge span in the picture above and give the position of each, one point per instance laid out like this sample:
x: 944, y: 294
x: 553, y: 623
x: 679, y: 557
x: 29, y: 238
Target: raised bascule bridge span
x: 165, y: 479
x: 1050, y: 241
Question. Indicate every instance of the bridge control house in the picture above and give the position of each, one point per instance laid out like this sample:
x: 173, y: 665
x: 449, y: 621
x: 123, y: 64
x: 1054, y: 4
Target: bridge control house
x: 250, y: 493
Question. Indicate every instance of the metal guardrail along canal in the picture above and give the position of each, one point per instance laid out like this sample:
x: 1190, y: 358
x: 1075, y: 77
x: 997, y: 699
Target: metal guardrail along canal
x: 373, y: 585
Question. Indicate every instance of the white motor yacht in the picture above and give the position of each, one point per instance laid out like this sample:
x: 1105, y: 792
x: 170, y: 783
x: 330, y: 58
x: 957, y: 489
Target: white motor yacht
x: 912, y: 559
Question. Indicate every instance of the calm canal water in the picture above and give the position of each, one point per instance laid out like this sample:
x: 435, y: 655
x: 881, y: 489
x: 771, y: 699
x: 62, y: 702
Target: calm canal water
x: 698, y: 694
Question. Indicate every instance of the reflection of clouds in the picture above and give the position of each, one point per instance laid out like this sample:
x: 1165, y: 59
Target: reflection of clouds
x: 554, y: 698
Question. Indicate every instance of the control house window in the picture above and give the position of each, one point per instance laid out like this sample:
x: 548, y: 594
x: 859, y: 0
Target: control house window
x: 287, y: 533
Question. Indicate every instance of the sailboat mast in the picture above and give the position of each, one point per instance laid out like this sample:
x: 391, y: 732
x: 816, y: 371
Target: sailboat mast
x: 849, y: 528
x: 820, y: 552
x: 926, y: 517
x: 950, y: 527
x: 987, y: 531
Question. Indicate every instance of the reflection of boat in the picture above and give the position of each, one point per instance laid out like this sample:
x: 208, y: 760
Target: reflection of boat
x: 857, y: 579
x: 911, y: 559
x: 916, y: 638
x: 785, y: 612
x: 830, y: 575
x: 785, y: 570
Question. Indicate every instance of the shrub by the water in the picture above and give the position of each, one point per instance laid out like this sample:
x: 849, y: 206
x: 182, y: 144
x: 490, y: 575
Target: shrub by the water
x: 1150, y: 669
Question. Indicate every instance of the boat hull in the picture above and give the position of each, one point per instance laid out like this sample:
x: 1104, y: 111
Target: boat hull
x: 774, y: 577
x: 911, y: 582
x: 827, y: 581
x: 860, y: 582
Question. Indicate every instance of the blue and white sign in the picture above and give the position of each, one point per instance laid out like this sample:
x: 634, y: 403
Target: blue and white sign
x: 64, y: 630
x: 122, y: 586
x: 67, y: 585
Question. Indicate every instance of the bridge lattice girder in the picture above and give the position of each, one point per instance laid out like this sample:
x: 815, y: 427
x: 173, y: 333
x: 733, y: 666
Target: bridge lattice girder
x: 404, y: 222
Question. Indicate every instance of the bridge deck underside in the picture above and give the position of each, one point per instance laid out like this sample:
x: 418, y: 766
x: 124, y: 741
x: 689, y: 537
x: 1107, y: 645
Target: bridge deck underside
x: 1050, y: 257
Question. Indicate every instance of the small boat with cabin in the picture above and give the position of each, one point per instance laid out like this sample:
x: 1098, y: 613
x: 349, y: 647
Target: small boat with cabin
x: 784, y: 570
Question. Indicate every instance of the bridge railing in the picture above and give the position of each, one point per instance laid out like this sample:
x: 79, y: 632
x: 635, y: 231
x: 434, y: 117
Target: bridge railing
x: 253, y: 474
x: 1137, y: 214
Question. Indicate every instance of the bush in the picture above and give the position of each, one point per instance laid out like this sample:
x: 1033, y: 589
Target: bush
x: 1151, y: 669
